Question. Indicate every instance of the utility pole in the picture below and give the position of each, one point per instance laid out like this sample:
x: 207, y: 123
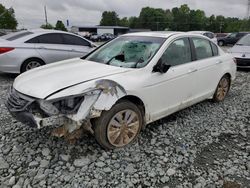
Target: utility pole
x: 46, y: 18
x: 248, y: 10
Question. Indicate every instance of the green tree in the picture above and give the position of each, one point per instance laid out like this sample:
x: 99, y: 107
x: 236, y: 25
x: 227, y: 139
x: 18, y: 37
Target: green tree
x: 7, y: 18
x: 109, y: 18
x: 133, y: 22
x: 181, y: 18
x: 60, y: 26
x: 197, y: 20
x: 124, y: 22
x: 47, y: 26
x: 151, y: 18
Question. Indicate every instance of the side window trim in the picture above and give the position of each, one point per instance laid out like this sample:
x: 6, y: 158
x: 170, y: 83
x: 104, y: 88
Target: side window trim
x: 193, y: 52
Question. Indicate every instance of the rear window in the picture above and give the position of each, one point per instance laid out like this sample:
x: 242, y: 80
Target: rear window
x: 17, y: 35
x: 50, y: 38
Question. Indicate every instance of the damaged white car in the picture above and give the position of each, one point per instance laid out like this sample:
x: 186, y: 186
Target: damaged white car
x: 123, y: 85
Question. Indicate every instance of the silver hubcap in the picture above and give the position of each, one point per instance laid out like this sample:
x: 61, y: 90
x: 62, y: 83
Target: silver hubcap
x: 32, y: 65
x: 123, y: 128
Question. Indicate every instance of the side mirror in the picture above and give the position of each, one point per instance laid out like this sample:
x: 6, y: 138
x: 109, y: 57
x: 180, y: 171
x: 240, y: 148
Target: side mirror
x: 161, y: 67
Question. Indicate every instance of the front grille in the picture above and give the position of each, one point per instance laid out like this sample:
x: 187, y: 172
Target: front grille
x: 243, y: 62
x: 16, y: 101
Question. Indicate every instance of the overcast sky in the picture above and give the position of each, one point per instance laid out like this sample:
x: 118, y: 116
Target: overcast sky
x: 30, y: 13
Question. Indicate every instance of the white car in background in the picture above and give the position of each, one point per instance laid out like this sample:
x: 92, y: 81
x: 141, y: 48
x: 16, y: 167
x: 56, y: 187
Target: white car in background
x: 208, y: 34
x: 128, y: 82
x: 241, y: 52
x: 25, y: 50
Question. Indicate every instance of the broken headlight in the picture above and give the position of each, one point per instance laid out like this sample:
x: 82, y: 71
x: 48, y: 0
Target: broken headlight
x: 69, y: 105
x: 63, y: 105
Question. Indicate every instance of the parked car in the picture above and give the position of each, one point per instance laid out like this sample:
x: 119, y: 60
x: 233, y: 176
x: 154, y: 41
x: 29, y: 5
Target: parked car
x: 115, y: 90
x: 95, y: 37
x: 231, y: 39
x: 107, y: 36
x: 208, y: 34
x: 25, y: 50
x: 241, y: 52
x: 220, y: 35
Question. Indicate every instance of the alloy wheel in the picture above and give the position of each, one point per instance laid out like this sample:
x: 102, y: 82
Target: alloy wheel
x: 123, y: 128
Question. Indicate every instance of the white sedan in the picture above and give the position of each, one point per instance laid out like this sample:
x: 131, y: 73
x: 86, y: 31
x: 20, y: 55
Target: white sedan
x: 241, y: 52
x: 25, y: 50
x: 122, y: 86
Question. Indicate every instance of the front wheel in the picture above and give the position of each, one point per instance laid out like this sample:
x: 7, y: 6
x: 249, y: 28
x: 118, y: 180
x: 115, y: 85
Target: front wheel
x: 119, y: 126
x: 222, y: 89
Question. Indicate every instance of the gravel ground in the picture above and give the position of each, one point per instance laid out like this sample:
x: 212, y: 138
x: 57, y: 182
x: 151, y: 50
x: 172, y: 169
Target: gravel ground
x: 207, y: 145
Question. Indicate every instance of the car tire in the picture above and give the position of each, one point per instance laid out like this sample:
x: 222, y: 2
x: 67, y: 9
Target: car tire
x: 221, y: 43
x: 222, y: 89
x: 31, y: 64
x: 118, y: 127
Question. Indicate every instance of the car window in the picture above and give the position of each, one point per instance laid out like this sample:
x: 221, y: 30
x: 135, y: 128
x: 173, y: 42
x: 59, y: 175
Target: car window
x: 244, y: 41
x: 215, y: 49
x: 51, y: 38
x: 233, y: 35
x: 203, y: 48
x: 74, y: 40
x: 33, y: 40
x: 209, y: 35
x: 179, y: 52
x: 240, y: 35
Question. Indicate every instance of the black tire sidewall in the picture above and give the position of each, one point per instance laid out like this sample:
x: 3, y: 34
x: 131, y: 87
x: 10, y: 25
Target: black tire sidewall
x: 101, y: 123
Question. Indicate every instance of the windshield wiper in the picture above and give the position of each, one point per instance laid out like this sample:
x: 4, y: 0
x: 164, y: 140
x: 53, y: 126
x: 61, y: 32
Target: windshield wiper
x: 238, y: 44
x: 120, y: 57
x: 141, y: 60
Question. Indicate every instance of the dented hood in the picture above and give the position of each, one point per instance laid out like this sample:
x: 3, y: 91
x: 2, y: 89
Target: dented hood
x: 43, y: 81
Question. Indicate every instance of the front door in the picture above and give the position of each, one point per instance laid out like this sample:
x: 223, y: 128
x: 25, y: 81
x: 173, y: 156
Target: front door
x: 173, y: 88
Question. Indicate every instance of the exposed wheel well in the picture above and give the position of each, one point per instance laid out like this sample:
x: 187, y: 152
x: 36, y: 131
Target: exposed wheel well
x: 32, y: 59
x: 136, y: 100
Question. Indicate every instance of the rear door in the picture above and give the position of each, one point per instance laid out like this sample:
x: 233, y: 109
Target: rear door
x: 50, y: 47
x: 77, y: 46
x: 208, y: 68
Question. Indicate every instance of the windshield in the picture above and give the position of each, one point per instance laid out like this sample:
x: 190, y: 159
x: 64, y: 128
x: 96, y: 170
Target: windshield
x: 16, y: 35
x: 128, y: 51
x: 245, y: 41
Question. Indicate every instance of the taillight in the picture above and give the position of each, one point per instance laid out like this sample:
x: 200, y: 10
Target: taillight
x: 5, y: 49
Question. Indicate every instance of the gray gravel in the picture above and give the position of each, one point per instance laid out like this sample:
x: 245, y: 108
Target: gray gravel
x: 206, y: 145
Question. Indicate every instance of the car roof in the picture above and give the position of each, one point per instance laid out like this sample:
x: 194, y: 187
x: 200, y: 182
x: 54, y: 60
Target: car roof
x: 162, y: 34
x: 200, y: 32
x: 42, y: 31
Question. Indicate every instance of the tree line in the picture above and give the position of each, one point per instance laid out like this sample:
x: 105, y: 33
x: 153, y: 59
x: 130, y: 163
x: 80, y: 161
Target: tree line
x: 178, y: 19
x: 156, y: 19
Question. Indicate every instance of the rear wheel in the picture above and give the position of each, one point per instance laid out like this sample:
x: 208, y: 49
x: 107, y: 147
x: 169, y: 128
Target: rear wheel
x: 221, y: 43
x: 31, y: 64
x: 119, y: 126
x: 222, y: 89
